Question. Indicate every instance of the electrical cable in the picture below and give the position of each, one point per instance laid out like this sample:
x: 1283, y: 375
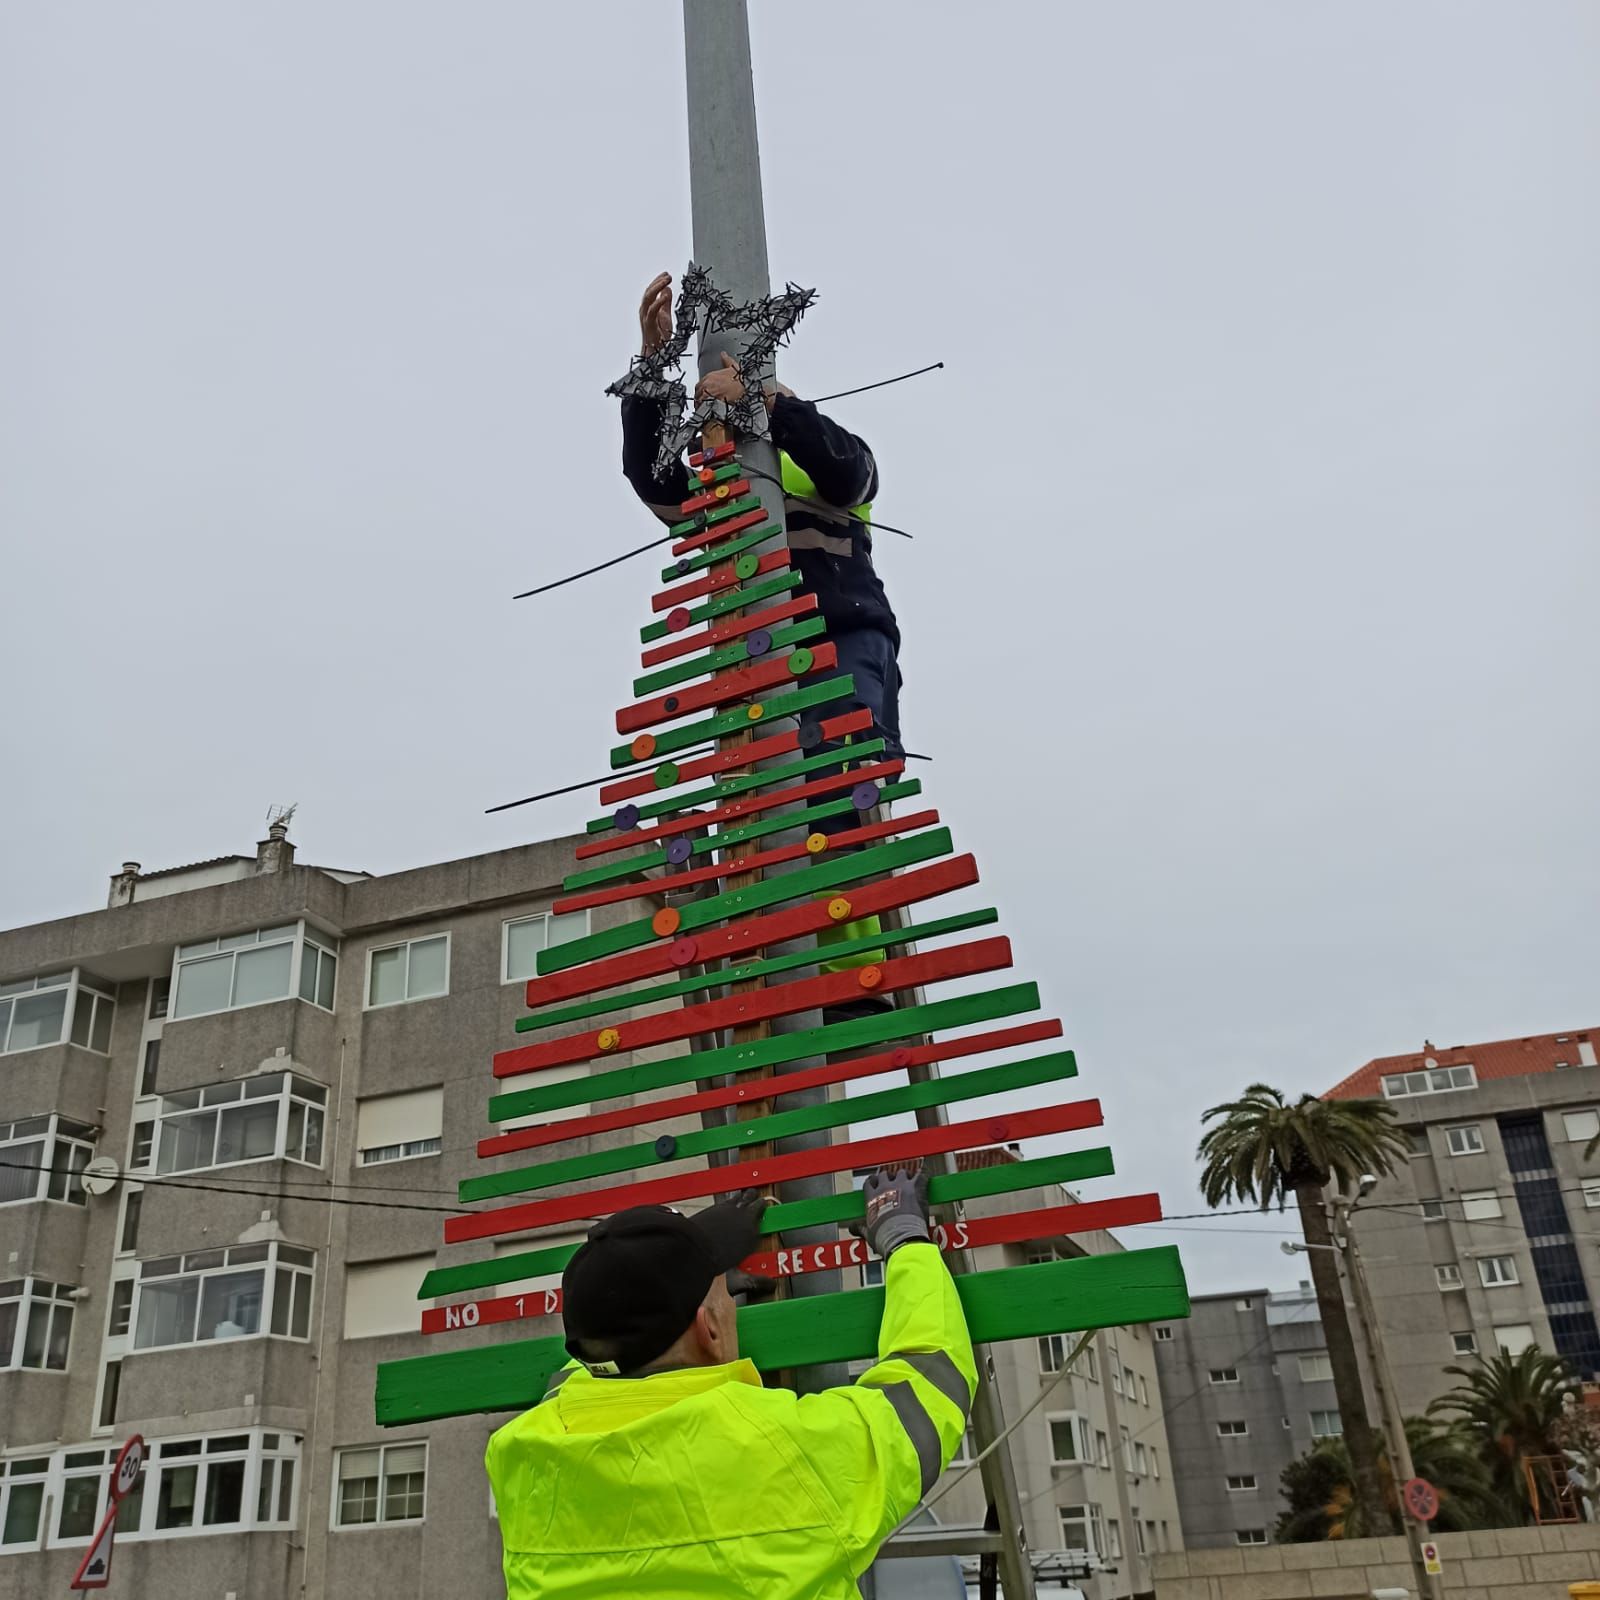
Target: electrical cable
x: 933, y: 366
x: 589, y: 572
x: 572, y: 788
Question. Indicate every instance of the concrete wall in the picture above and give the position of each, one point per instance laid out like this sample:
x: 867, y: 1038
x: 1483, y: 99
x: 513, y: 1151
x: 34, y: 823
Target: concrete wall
x: 1501, y: 1564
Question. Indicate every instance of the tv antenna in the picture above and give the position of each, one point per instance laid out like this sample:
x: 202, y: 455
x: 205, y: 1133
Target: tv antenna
x: 281, y: 816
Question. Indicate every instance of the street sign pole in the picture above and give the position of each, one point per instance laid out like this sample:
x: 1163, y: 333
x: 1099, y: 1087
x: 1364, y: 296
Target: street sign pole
x: 94, y: 1571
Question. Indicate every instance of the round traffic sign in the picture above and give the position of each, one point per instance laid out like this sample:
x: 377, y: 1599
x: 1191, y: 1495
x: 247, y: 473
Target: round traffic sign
x: 1422, y: 1499
x: 126, y: 1472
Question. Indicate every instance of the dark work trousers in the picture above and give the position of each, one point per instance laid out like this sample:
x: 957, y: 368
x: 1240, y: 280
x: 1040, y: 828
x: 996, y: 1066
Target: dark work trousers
x: 869, y: 656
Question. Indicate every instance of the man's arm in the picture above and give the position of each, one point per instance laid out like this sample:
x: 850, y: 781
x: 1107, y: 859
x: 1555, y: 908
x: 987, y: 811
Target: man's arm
x: 662, y: 492
x: 836, y: 460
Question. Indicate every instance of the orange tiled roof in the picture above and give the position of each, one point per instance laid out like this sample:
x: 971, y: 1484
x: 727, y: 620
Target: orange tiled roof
x: 1499, y: 1058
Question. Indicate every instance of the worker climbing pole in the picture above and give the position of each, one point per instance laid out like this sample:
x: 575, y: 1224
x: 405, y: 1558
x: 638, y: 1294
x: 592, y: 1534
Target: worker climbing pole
x: 769, y: 926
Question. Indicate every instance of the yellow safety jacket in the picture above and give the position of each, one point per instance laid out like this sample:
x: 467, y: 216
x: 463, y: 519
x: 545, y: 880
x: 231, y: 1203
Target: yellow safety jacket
x: 702, y: 1482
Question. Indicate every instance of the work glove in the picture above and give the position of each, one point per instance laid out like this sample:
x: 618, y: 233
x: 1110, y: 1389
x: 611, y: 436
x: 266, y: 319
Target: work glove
x: 733, y: 1226
x: 897, y: 1211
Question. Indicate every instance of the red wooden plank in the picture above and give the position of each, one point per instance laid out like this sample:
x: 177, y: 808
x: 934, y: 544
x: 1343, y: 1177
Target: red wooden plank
x: 738, y: 1010
x: 751, y: 863
x: 745, y: 755
x: 734, y: 809
x: 1019, y: 1227
x: 770, y: 1170
x: 721, y: 452
x: 720, y: 530
x: 717, y: 578
x: 751, y: 1091
x: 721, y: 632
x: 723, y: 689
x: 715, y: 497
x: 715, y: 944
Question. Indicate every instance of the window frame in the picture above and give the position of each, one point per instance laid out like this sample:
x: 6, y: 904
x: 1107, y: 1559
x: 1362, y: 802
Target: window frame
x: 1232, y: 1428
x: 383, y: 1448
x: 75, y: 981
x: 1246, y: 1537
x: 293, y: 1089
x: 1474, y: 1129
x: 1223, y: 1377
x: 408, y: 999
x: 548, y: 918
x: 296, y: 935
x: 1592, y: 1113
x: 1506, y: 1327
x: 273, y: 1266
x: 1447, y: 1276
x: 1240, y: 1483
x: 1469, y: 1349
x: 1077, y: 1431
x: 58, y: 1137
x: 1497, y: 1281
x: 1334, y: 1433
x: 30, y: 1296
x: 1409, y: 1092
x: 1320, y: 1359
x: 1479, y: 1197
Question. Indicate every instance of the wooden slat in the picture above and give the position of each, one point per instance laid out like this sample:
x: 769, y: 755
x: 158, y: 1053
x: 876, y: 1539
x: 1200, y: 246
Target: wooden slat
x: 684, y: 565
x: 975, y: 1085
x: 735, y: 653
x: 718, y: 944
x: 776, y: 744
x: 718, y: 530
x: 771, y: 710
x: 751, y: 1091
x: 726, y: 687
x: 710, y: 498
x: 720, y: 633
x: 739, y: 1010
x: 944, y: 1188
x: 714, y: 583
x: 1133, y: 1286
x: 762, y: 1174
x: 730, y: 600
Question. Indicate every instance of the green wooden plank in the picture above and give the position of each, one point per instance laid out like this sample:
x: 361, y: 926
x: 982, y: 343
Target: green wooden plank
x: 973, y: 1085
x: 725, y: 838
x: 729, y: 655
x: 901, y: 1023
x: 775, y: 707
x: 1070, y: 1166
x: 849, y: 867
x: 628, y: 999
x: 1008, y: 1303
x: 714, y: 514
x: 742, y: 783
x: 733, y: 599
x: 709, y: 557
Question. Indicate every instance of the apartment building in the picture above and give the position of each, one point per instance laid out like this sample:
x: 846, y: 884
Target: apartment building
x: 1487, y: 1236
x: 1095, y: 1471
x: 1247, y: 1388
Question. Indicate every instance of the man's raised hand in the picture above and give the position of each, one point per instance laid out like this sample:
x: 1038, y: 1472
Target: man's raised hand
x: 655, y: 314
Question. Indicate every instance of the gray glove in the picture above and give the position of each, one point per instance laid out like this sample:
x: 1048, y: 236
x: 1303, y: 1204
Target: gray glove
x: 897, y: 1210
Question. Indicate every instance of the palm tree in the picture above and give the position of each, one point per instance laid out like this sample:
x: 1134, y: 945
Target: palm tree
x: 1320, y: 1487
x: 1263, y: 1149
x: 1516, y: 1405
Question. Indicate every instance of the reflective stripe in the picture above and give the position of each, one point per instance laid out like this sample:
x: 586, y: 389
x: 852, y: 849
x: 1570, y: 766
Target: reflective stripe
x: 941, y: 1372
x: 919, y: 1428
x: 834, y: 544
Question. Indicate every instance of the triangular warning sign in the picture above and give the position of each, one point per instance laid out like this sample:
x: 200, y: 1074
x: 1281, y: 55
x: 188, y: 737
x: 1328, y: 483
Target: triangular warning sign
x: 94, y: 1572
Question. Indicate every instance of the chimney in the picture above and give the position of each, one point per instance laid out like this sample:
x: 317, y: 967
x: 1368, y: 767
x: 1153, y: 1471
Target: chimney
x: 275, y: 853
x: 122, y: 884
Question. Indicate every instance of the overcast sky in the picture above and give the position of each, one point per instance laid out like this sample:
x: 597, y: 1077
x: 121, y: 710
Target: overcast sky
x: 1251, y: 612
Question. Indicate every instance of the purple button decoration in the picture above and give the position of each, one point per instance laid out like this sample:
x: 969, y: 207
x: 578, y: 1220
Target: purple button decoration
x: 666, y: 1147
x: 759, y: 642
x: 864, y: 796
x: 680, y: 850
x: 670, y: 703
x: 625, y: 818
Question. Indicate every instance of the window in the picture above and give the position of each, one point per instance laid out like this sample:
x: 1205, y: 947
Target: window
x: 1480, y: 1205
x: 110, y: 1383
x: 381, y: 1296
x: 272, y: 1116
x: 22, y: 1485
x: 152, y: 1060
x: 872, y: 1274
x: 1232, y: 1430
x: 1127, y: 1382
x: 1432, y: 1210
x: 1113, y: 1539
x: 522, y: 939
x: 1250, y: 1536
x: 399, y: 1127
x: 1495, y: 1272
x: 1082, y: 1528
x: 319, y: 967
x: 1221, y: 1375
x: 160, y: 998
x: 1465, y: 1140
x: 1316, y: 1367
x: 1102, y: 1449
x: 1127, y: 1450
x: 236, y: 1293
x: 1247, y: 1304
x: 1242, y: 1483
x: 1140, y: 1538
x: 35, y: 1324
x: 121, y: 1313
x: 1116, y: 1377
x: 418, y: 970
x: 132, y: 1206
x: 1513, y: 1337
x: 1464, y: 1344
x: 244, y: 969
x: 1591, y: 1193
x: 41, y: 1159
x: 1141, y: 1460
x: 1431, y: 1080
x: 1155, y: 1463
x: 1447, y: 1277
x: 1163, y: 1333
x: 967, y: 1450
x: 1581, y: 1126
x: 1144, y: 1391
x: 1416, y: 1141
x: 33, y: 1012
x: 1052, y: 1353
x: 384, y: 1484
x: 1070, y: 1441
x: 1326, y: 1425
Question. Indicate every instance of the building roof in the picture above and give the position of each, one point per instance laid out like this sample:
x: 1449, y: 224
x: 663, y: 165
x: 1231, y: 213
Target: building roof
x: 1498, y: 1058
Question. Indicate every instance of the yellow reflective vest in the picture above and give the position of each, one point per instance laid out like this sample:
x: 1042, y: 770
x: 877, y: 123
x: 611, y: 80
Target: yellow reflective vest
x: 703, y: 1482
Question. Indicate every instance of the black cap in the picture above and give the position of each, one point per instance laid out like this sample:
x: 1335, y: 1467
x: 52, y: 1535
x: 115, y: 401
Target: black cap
x: 635, y: 1283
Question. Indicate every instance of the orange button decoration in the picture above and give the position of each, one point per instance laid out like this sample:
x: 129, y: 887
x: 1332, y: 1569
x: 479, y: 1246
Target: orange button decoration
x: 706, y: 474
x: 870, y: 977
x: 816, y: 843
x: 608, y: 1039
x: 643, y: 747
x: 665, y: 921
x: 839, y: 908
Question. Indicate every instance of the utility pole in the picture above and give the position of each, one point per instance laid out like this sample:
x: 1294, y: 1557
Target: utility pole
x: 1402, y: 1469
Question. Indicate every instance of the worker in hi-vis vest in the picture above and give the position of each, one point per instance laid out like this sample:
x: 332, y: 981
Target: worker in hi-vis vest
x: 659, y: 1465
x: 829, y: 482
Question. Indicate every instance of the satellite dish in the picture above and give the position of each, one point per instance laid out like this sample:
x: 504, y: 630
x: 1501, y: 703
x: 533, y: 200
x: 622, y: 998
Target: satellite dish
x: 100, y: 1176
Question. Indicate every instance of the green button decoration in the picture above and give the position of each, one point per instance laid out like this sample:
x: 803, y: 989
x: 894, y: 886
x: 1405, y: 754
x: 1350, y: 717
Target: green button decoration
x: 747, y: 566
x: 800, y: 661
x: 666, y: 775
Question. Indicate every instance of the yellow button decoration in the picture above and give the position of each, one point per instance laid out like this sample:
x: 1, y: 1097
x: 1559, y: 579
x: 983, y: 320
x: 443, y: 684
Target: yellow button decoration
x: 816, y: 843
x: 609, y: 1039
x: 839, y: 908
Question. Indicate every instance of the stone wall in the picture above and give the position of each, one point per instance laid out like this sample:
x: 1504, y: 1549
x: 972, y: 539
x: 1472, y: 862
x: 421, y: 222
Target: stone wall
x: 1500, y: 1564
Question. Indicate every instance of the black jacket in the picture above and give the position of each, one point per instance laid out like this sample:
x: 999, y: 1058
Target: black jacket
x: 831, y: 550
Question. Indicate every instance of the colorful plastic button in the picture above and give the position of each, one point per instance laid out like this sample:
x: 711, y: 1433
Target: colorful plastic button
x: 756, y: 712
x: 816, y: 843
x: 809, y: 736
x: 665, y: 775
x: 759, y: 642
x: 679, y: 851
x: 900, y: 1057
x: 864, y: 796
x: 683, y: 951
x: 685, y: 563
x: 706, y: 474
x: 839, y: 908
x: 800, y: 661
x: 643, y: 747
x: 608, y: 1038
x: 670, y: 703
x: 666, y: 1147
x: 722, y: 491
x: 665, y: 921
x: 747, y: 566
x: 870, y: 977
x: 625, y: 818
x: 677, y: 619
